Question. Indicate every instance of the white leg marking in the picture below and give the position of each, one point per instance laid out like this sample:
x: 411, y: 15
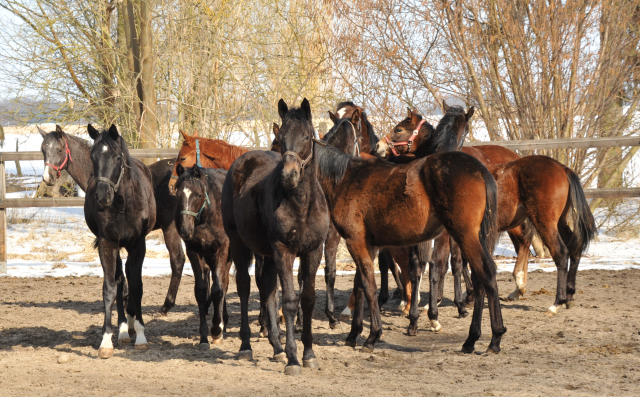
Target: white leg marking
x: 346, y: 312
x: 520, y: 279
x: 553, y: 309
x: 123, y: 332
x: 435, y: 326
x: 221, y: 325
x: 419, y: 285
x: 130, y: 321
x: 106, y: 341
x: 140, y: 339
x: 402, y: 305
x: 425, y: 307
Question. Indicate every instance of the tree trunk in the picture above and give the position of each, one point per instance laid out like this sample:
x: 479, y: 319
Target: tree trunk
x: 148, y: 119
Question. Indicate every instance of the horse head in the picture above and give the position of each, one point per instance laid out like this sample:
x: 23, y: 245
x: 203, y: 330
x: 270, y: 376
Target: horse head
x: 57, y: 156
x: 191, y: 190
x: 405, y: 137
x: 345, y: 134
x: 296, y: 139
x: 110, y: 158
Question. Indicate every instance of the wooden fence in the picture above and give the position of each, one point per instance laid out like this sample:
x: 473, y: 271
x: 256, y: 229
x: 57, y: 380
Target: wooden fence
x: 572, y: 143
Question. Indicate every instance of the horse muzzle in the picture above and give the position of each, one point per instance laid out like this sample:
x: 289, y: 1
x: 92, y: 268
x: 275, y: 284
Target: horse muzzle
x: 104, y: 195
x: 186, y: 227
x: 48, y: 176
x: 290, y: 175
x: 382, y: 149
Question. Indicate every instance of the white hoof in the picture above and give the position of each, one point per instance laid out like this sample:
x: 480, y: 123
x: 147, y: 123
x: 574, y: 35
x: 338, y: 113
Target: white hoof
x: 123, y: 334
x: 346, y: 314
x: 141, y: 340
x: 435, y: 326
x: 553, y: 309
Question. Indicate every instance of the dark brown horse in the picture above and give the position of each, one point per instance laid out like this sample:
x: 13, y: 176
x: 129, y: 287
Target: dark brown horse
x: 67, y: 152
x: 273, y: 206
x: 206, y: 153
x: 369, y: 201
x: 533, y: 192
x: 199, y: 221
x: 120, y: 205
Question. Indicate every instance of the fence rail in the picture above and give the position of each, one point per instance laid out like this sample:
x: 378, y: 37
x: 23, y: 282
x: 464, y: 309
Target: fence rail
x: 570, y: 143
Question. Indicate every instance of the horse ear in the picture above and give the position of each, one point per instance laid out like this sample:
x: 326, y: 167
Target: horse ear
x: 276, y: 130
x: 333, y: 117
x: 195, y: 171
x: 282, y: 108
x: 42, y: 132
x: 59, y: 131
x: 470, y: 113
x: 355, y: 117
x: 179, y: 169
x: 185, y: 137
x: 445, y: 107
x: 306, y: 107
x: 409, y: 113
x: 93, y: 133
x: 196, y: 134
x: 113, y: 132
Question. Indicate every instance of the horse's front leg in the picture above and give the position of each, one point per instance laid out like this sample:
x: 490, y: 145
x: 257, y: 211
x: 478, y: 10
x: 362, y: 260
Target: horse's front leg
x: 108, y: 254
x: 309, y: 264
x: 330, y: 252
x: 137, y: 252
x: 284, y: 264
x: 267, y: 282
x: 201, y: 289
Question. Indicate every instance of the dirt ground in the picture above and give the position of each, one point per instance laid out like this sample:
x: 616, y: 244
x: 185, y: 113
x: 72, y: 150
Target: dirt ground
x: 591, y: 349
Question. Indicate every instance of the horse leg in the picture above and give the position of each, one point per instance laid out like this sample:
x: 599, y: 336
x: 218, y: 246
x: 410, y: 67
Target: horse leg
x: 398, y: 293
x: 330, y: 252
x: 468, y: 295
x: 416, y: 270
x: 176, y: 258
x: 440, y: 260
x: 284, y: 264
x: 134, y: 261
x: 363, y: 258
x: 122, y: 297
x: 346, y: 314
x: 268, y: 287
x: 299, y: 312
x: 358, y: 311
x: 484, y: 281
x: 401, y: 256
x: 262, y: 317
x: 384, y: 263
x: 108, y: 253
x: 242, y: 259
x: 309, y: 264
x: 201, y: 273
x: 457, y: 269
x: 574, y: 256
x: 521, y: 243
x: 560, y: 254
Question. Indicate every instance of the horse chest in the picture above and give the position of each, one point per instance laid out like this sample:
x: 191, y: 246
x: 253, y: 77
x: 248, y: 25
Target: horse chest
x: 300, y: 232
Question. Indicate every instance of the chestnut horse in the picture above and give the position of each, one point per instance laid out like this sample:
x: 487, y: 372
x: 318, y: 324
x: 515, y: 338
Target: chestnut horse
x: 274, y: 206
x: 206, y: 153
x: 447, y: 191
x: 535, y: 189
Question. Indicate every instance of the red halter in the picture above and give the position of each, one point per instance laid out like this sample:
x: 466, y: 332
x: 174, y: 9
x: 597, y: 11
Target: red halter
x: 408, y: 142
x: 67, y: 158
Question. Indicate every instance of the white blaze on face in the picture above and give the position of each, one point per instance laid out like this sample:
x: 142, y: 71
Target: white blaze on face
x: 187, y: 193
x: 46, y: 175
x: 106, y: 341
x: 342, y: 112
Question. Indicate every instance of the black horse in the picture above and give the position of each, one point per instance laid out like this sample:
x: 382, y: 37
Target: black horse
x: 273, y: 206
x: 199, y: 222
x: 67, y: 152
x: 121, y: 206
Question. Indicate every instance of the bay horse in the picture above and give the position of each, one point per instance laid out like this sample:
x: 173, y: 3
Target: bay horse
x: 274, y: 206
x: 537, y: 194
x: 63, y: 151
x: 204, y: 152
x: 447, y: 191
x: 199, y: 222
x: 120, y: 205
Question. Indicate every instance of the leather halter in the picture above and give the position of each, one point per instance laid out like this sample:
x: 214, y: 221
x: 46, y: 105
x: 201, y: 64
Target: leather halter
x: 408, y: 142
x: 356, y: 144
x: 116, y: 185
x: 197, y: 214
x: 67, y: 158
x: 295, y: 155
x: 197, y: 158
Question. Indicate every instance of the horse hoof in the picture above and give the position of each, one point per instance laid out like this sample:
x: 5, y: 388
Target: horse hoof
x: 163, y: 311
x: 142, y: 346
x: 366, y: 349
x: 292, y: 370
x: 217, y: 340
x: 405, y: 313
x: 492, y: 350
x: 350, y: 343
x: 280, y: 357
x: 105, y: 352
x: 245, y: 355
x: 124, y: 341
x: 412, y: 330
x: 467, y: 350
x: 262, y: 335
x: 570, y: 304
x: 312, y: 363
x: 334, y: 325
x: 435, y: 326
x: 203, y: 346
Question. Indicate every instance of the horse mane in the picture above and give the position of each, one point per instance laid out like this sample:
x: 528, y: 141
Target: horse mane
x: 332, y: 163
x: 443, y: 138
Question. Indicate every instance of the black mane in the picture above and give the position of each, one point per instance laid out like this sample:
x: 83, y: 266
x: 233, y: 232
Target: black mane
x: 443, y: 138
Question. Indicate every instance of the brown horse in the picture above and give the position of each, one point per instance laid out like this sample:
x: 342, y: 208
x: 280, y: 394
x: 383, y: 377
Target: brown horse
x: 206, y: 153
x: 535, y: 189
x: 448, y: 191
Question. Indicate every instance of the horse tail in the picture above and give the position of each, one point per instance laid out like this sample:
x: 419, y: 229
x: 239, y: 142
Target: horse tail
x: 95, y: 243
x: 584, y: 226
x: 489, y: 231
x: 528, y: 230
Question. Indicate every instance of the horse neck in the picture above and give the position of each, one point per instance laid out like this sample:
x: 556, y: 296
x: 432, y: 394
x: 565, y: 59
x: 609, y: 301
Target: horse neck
x: 366, y: 141
x: 80, y: 169
x: 228, y: 153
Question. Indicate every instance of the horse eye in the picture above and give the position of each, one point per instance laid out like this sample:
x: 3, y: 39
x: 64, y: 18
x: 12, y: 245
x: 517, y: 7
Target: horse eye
x: 183, y: 159
x: 398, y: 129
x: 59, y: 150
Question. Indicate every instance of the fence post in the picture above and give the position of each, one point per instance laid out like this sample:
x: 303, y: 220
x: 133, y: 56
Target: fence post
x: 3, y: 220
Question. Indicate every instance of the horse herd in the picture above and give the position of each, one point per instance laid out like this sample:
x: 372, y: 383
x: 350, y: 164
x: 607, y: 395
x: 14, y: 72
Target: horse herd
x: 388, y: 197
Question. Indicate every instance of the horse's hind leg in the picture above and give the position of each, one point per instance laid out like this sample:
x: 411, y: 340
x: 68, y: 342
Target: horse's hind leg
x: 439, y: 261
x: 268, y: 287
x: 398, y: 293
x: 176, y: 259
x: 416, y: 271
x: 574, y: 257
x: 560, y: 254
x: 122, y: 298
x: 384, y: 263
x: 134, y: 261
x: 308, y: 268
x: 108, y: 254
x: 202, y: 275
x: 284, y: 264
x: 330, y: 252
x: 357, y: 302
x: 242, y: 259
x: 457, y: 271
x: 521, y: 243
